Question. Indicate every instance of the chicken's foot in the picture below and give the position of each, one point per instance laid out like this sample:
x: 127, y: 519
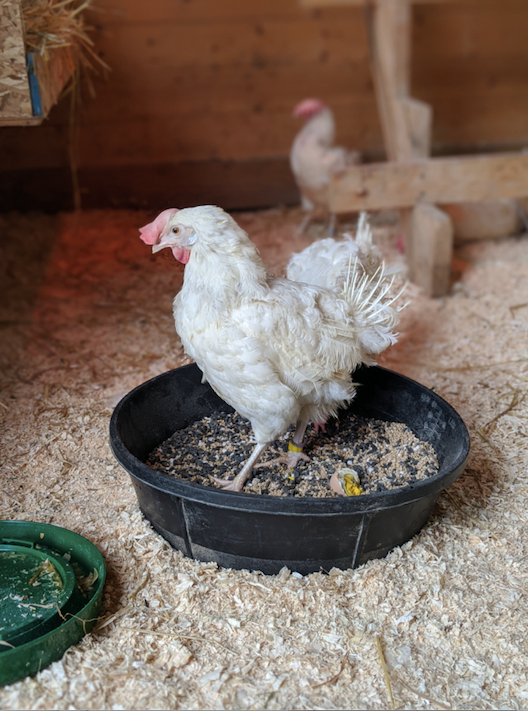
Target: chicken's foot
x: 291, y: 459
x: 238, y: 482
x: 295, y: 449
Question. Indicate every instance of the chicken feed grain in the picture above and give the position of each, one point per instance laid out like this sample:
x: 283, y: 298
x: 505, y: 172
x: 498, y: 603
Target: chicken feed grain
x: 385, y: 455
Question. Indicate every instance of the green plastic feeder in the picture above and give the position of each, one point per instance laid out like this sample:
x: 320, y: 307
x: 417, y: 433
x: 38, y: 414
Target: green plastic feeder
x: 51, y: 583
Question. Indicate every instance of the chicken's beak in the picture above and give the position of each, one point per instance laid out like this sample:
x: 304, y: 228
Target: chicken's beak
x: 161, y: 245
x: 185, y: 239
x: 179, y: 243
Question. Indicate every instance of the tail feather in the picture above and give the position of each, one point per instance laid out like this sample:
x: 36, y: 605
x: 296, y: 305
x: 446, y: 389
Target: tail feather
x: 372, y: 305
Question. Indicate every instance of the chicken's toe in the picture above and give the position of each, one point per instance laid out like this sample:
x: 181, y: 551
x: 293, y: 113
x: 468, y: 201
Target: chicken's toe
x: 291, y: 459
x: 229, y: 484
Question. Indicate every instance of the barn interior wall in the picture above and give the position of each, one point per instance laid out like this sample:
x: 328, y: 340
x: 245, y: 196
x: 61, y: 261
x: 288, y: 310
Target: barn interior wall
x: 197, y: 105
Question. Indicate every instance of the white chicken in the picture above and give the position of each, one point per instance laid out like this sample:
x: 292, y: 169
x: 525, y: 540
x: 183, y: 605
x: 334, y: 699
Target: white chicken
x: 314, y: 158
x: 279, y: 351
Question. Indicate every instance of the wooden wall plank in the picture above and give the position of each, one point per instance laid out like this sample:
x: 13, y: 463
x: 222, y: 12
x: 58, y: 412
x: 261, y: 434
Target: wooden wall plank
x: 273, y: 42
x: 192, y: 11
x: 474, y: 28
x: 174, y: 137
x: 228, y: 135
x: 231, y: 184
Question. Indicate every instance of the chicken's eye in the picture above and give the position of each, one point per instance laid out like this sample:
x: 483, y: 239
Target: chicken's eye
x: 175, y: 230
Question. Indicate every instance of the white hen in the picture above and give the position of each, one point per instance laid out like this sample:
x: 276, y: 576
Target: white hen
x: 278, y: 351
x: 314, y: 158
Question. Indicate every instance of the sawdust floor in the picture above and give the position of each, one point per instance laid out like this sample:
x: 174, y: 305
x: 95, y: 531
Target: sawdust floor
x: 86, y: 316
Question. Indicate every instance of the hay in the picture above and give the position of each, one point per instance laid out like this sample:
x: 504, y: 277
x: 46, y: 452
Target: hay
x: 86, y: 316
x: 53, y: 24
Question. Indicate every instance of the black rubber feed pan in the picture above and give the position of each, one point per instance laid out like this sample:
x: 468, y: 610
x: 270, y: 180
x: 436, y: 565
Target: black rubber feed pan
x: 265, y: 533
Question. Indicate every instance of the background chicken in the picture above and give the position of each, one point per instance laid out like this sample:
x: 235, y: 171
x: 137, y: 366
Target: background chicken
x: 279, y: 351
x: 314, y: 158
x: 326, y: 261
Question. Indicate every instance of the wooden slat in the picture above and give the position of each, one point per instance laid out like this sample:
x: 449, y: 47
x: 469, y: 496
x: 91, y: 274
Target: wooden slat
x: 333, y: 3
x: 32, y: 121
x: 438, y: 180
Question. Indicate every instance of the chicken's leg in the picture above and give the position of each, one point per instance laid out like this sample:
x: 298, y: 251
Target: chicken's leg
x: 295, y: 449
x: 295, y: 454
x: 238, y: 482
x: 332, y: 224
x: 305, y: 222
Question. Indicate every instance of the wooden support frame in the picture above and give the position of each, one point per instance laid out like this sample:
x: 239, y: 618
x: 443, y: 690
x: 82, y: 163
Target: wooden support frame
x: 406, y: 125
x: 406, y: 122
x: 412, y: 181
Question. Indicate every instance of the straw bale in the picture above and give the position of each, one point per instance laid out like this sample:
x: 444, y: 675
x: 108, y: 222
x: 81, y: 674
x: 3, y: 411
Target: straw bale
x: 87, y: 316
x: 56, y: 34
x: 52, y: 25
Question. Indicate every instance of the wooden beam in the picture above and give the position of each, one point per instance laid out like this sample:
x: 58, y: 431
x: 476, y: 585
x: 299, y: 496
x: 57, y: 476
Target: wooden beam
x: 389, y: 32
x: 334, y: 3
x: 31, y: 121
x: 406, y: 123
x: 377, y: 186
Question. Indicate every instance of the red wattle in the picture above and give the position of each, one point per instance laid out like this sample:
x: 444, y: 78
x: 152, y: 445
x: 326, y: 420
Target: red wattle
x: 182, y: 255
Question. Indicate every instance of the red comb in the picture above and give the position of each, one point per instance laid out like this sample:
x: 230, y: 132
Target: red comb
x: 150, y: 234
x: 308, y: 107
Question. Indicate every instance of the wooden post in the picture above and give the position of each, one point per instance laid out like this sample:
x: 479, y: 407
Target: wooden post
x: 406, y: 122
x: 432, y: 248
